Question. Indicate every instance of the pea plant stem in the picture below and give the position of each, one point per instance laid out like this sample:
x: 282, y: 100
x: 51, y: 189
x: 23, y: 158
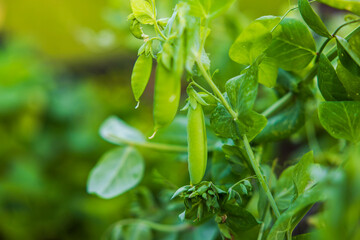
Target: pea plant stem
x: 216, y: 90
x: 260, y: 176
x: 159, y: 31
x: 249, y: 151
x: 152, y: 145
x: 278, y: 105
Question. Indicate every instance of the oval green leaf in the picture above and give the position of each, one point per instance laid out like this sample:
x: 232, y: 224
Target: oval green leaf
x: 242, y: 89
x: 349, y: 81
x: 143, y: 11
x: 116, y: 131
x: 312, y: 19
x: 253, y: 40
x: 341, y: 119
x: 118, y: 171
x: 293, y: 46
x: 329, y: 84
x: 348, y: 58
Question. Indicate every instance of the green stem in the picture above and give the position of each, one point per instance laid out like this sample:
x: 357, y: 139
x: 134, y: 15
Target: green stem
x: 283, y: 101
x: 260, y: 176
x: 332, y: 36
x: 159, y: 31
x: 242, y: 180
x: 203, y: 89
x: 331, y: 55
x: 343, y: 25
x: 151, y: 145
x: 322, y: 49
x: 215, y: 89
x: 289, y: 235
x: 153, y: 225
x: 263, y: 218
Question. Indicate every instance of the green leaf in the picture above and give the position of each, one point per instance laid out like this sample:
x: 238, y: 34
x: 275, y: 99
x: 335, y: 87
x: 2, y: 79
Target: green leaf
x: 268, y: 72
x: 238, y: 219
x: 348, y: 58
x: 341, y: 119
x: 349, y: 81
x: 312, y: 19
x: 242, y: 90
x: 116, y: 131
x: 329, y: 84
x: 143, y: 11
x: 285, y: 191
x: 285, y: 123
x: 223, y: 123
x: 293, y: 46
x: 251, y: 124
x: 141, y: 75
x: 349, y: 5
x: 292, y: 216
x: 118, y: 171
x: 293, y: 181
x: 253, y: 40
x: 355, y: 42
x: 301, y: 173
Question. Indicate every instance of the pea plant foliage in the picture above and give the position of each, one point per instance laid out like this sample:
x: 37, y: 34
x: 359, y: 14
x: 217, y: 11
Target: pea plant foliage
x: 237, y: 189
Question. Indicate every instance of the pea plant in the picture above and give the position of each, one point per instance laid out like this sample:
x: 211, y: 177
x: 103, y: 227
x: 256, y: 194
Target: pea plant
x: 237, y: 187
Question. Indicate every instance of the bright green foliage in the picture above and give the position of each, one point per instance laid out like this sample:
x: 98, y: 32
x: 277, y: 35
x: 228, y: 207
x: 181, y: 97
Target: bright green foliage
x: 350, y: 81
x: 242, y: 90
x: 329, y: 84
x: 341, y: 119
x: 116, y: 131
x: 291, y: 217
x: 294, y: 181
x: 274, y: 51
x: 252, y: 43
x: 268, y: 72
x: 348, y: 57
x: 253, y: 40
x: 143, y: 11
x: 312, y: 19
x: 293, y: 46
x: 117, y: 172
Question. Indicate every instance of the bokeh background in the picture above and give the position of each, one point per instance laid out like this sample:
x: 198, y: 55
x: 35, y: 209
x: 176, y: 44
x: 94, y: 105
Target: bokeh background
x: 65, y: 66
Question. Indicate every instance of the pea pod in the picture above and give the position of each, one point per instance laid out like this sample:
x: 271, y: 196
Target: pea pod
x: 141, y: 75
x: 168, y: 87
x: 197, y: 143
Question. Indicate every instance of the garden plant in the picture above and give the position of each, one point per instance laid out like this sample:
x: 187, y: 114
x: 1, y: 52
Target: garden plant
x: 287, y: 89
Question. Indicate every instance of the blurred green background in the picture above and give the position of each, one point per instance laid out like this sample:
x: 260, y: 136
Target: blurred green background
x: 64, y: 67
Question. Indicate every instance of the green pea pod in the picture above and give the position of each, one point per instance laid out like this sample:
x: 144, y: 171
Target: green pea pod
x: 141, y: 75
x: 167, y: 95
x: 197, y: 144
x: 168, y: 87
